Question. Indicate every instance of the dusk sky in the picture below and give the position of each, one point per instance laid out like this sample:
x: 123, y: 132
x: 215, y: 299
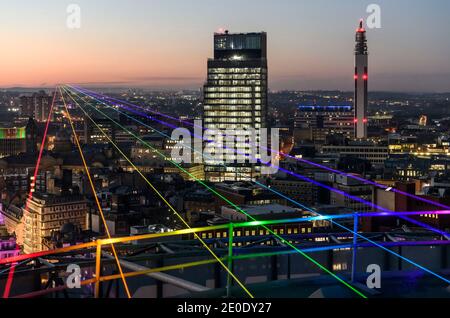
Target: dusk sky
x: 165, y: 43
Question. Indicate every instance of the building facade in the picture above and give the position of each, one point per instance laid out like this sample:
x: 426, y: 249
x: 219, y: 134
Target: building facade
x: 322, y: 121
x: 376, y: 154
x: 45, y: 213
x: 8, y: 246
x: 235, y: 98
x: 37, y: 106
x: 296, y: 189
x: 354, y: 188
x: 12, y: 141
x: 17, y: 140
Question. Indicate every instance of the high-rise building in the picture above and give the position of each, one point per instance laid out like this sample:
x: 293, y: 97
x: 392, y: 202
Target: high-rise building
x: 235, y: 98
x: 37, y: 106
x: 361, y: 82
x: 46, y: 213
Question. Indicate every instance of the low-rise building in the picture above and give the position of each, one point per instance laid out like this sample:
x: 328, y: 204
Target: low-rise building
x: 376, y: 154
x: 298, y: 190
x: 354, y: 188
x: 8, y: 245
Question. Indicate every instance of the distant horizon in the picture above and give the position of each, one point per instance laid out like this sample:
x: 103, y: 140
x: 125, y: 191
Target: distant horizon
x: 174, y: 89
x: 165, y: 44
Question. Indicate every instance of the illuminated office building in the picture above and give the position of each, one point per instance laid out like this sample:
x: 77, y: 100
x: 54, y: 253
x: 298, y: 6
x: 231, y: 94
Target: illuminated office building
x: 95, y: 134
x: 322, y: 121
x: 235, y: 98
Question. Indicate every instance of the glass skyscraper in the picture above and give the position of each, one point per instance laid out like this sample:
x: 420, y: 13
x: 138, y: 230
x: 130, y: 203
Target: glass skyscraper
x: 235, y: 98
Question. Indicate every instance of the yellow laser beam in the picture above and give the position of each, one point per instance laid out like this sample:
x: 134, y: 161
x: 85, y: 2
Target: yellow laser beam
x: 95, y: 195
x: 326, y: 270
x: 164, y: 199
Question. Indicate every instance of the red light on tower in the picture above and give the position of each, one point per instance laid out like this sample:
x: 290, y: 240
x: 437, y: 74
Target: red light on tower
x: 361, y: 87
x: 355, y: 76
x: 355, y: 120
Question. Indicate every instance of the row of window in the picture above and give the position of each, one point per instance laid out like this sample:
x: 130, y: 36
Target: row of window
x: 230, y: 114
x: 236, y: 83
x: 59, y: 208
x: 232, y: 95
x: 57, y: 216
x: 8, y: 255
x: 236, y: 120
x: 236, y: 77
x: 231, y: 126
x: 233, y: 101
x: 228, y: 108
x: 355, y: 151
x: 242, y: 233
x: 228, y: 89
x: 231, y: 70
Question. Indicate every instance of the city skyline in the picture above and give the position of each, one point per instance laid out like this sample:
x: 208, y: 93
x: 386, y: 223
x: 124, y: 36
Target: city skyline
x: 312, y: 49
x: 226, y: 151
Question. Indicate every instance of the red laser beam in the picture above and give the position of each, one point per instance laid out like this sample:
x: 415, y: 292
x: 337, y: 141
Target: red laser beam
x: 9, y: 281
x: 10, y: 278
x: 41, y: 151
x: 30, y: 195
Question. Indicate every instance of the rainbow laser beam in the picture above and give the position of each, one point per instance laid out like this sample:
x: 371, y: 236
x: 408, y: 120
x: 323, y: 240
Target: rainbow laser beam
x: 315, y: 212
x: 166, y: 202
x: 376, y: 244
x: 324, y: 186
x: 94, y: 193
x: 90, y: 245
x: 41, y: 150
x: 366, y: 181
x: 235, y: 257
x: 9, y: 280
x: 304, y: 178
x: 30, y: 194
x: 246, y: 224
x: 231, y: 203
x: 329, y: 188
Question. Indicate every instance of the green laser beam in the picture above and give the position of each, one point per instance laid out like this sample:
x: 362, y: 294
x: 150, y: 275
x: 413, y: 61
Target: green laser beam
x: 229, y: 202
x: 165, y: 200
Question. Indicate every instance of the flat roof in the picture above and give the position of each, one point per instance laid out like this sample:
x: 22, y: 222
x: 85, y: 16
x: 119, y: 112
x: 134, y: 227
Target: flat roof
x: 267, y: 209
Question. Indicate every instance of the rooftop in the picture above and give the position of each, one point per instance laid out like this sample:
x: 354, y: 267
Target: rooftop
x: 51, y: 199
x: 268, y: 209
